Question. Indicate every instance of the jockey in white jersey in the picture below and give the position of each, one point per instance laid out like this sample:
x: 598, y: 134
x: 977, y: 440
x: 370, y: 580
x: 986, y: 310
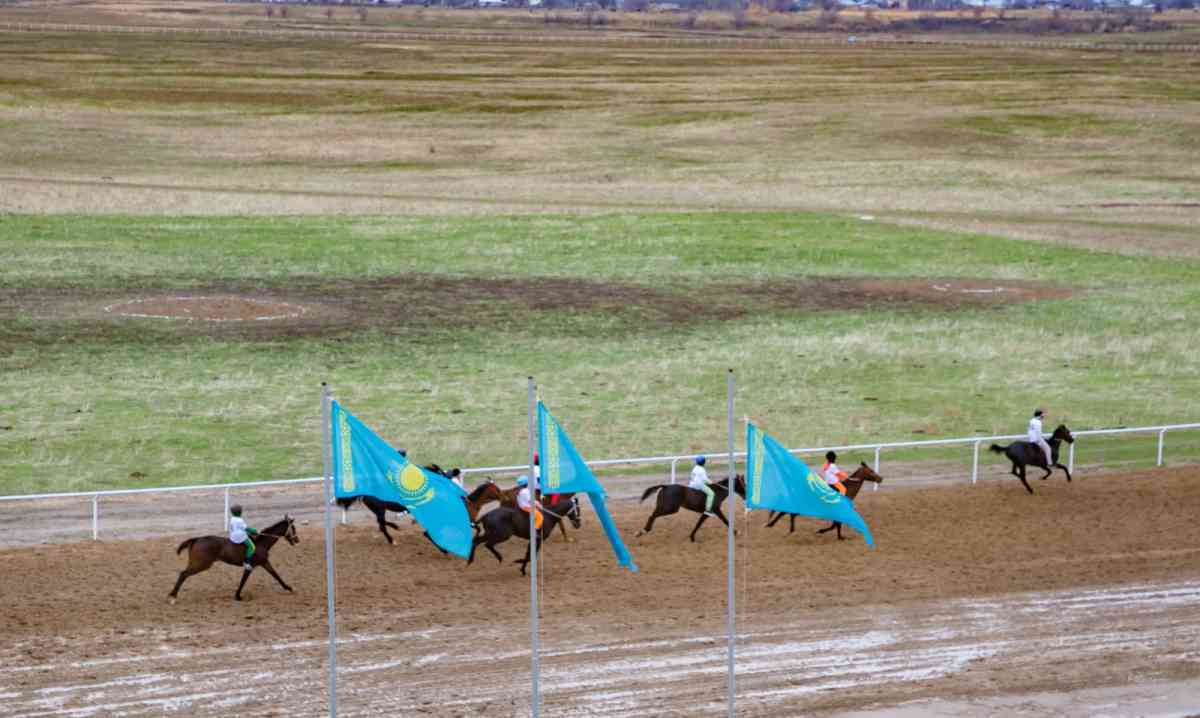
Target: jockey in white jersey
x: 240, y: 533
x: 699, y: 482
x: 1035, y: 436
x: 833, y: 475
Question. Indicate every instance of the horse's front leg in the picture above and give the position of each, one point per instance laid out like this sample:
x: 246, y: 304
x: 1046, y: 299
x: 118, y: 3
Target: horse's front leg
x: 840, y: 537
x: 242, y: 584
x: 271, y: 570
x: 562, y: 526
x: 832, y: 525
x: 792, y: 530
x: 1065, y: 471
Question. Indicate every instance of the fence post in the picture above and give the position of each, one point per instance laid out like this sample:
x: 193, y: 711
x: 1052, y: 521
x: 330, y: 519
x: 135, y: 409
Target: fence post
x: 95, y: 518
x: 344, y: 512
x: 875, y: 486
x: 975, y: 465
x: 674, y: 464
x: 1071, y: 457
x: 1161, y: 434
x: 226, y: 517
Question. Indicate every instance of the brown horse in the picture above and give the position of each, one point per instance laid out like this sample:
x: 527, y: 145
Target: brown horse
x: 204, y: 551
x: 672, y: 497
x: 501, y: 524
x: 508, y: 500
x: 853, y: 484
x: 1022, y: 453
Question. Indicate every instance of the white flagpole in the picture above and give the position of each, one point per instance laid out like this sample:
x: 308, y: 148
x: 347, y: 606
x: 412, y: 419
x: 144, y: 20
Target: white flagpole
x: 535, y: 700
x: 730, y: 614
x: 327, y: 456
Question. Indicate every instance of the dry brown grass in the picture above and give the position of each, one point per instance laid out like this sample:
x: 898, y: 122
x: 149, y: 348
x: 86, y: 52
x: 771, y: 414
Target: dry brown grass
x: 1026, y: 142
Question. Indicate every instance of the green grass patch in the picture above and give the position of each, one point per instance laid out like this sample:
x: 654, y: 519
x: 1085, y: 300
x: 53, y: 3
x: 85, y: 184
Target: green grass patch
x: 589, y: 306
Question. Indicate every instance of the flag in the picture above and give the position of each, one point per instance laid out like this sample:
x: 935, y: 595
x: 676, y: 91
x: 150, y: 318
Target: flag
x: 779, y: 481
x: 564, y: 472
x: 365, y: 465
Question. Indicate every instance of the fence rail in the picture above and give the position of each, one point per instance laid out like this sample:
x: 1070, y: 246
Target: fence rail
x: 673, y: 459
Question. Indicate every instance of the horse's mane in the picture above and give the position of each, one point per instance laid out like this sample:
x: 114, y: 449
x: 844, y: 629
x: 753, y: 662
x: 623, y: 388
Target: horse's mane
x: 478, y: 491
x: 275, y: 527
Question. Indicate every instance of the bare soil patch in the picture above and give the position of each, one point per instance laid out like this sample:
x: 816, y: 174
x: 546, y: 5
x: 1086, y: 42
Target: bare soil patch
x: 427, y: 303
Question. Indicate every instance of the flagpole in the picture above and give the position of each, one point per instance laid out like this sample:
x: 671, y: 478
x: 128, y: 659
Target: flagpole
x: 327, y: 458
x: 730, y: 613
x: 535, y: 700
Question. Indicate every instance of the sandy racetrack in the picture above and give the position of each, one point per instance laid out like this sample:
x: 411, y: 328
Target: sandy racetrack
x: 971, y: 592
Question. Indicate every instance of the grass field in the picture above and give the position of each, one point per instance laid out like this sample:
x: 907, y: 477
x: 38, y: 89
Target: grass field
x: 624, y: 221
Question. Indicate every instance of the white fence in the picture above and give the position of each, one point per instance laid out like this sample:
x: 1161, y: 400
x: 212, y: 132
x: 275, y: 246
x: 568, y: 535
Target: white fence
x: 975, y: 442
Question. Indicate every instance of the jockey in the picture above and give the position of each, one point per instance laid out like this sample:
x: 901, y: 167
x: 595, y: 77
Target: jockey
x: 699, y: 482
x: 526, y: 503
x: 1035, y: 436
x: 833, y: 475
x: 240, y: 533
x: 456, y: 477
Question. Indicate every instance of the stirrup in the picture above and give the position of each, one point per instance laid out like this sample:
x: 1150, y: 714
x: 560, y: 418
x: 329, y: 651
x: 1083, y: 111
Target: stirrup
x: 246, y: 566
x: 709, y: 513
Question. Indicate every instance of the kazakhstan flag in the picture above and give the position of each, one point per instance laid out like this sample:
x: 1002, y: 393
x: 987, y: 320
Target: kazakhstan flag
x: 563, y: 472
x: 364, y: 465
x: 779, y: 481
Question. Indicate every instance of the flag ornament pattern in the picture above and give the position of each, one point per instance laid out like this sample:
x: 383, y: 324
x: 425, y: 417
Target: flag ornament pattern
x: 781, y: 482
x: 365, y: 465
x: 564, y: 472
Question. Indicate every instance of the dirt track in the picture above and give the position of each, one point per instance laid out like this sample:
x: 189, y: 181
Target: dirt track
x: 972, y: 593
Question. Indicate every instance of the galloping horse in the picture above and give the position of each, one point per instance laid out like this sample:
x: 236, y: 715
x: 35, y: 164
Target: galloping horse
x: 204, y: 551
x: 480, y: 495
x: 499, y: 525
x: 1023, y: 453
x: 672, y: 497
x: 853, y: 483
x: 508, y: 499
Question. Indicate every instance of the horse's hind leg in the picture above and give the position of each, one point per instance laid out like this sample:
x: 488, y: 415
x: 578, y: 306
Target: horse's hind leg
x: 775, y: 516
x: 179, y: 582
x: 649, y: 523
x: 271, y: 570
x: 697, y: 528
x: 492, y: 547
x: 1021, y: 476
x: 828, y: 528
x: 792, y: 530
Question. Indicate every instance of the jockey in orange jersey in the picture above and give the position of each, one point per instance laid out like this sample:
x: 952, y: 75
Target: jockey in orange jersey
x: 526, y: 502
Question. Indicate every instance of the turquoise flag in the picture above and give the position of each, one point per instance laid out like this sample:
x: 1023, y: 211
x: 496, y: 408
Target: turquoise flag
x: 779, y: 481
x: 364, y: 465
x: 563, y: 472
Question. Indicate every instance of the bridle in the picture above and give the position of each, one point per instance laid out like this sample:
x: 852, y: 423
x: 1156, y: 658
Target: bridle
x: 286, y: 535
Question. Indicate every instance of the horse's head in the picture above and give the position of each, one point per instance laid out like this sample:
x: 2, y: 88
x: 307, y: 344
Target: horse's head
x: 485, y: 492
x: 739, y: 485
x: 1062, y: 433
x: 289, y: 533
x: 866, y: 473
x: 573, y: 513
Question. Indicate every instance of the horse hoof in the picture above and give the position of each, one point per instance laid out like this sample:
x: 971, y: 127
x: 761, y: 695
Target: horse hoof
x: 171, y: 600
x: 639, y: 534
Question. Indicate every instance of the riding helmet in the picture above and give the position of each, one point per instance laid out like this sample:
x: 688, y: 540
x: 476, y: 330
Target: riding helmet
x: 522, y: 480
x: 831, y: 456
x: 236, y: 509
x: 700, y: 461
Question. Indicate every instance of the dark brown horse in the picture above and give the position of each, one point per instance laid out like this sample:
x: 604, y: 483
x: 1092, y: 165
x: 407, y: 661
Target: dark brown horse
x: 499, y: 525
x: 508, y: 499
x: 672, y: 497
x: 479, y: 496
x: 853, y: 484
x: 1027, y: 453
x: 204, y: 551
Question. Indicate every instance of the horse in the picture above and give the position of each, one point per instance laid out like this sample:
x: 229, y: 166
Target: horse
x: 508, y: 499
x: 499, y: 525
x: 672, y: 497
x: 480, y: 495
x: 204, y: 551
x: 853, y: 484
x: 1022, y: 453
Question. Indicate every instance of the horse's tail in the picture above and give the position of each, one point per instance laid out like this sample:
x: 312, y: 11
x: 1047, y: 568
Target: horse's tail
x: 998, y: 448
x: 651, y: 490
x: 185, y: 544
